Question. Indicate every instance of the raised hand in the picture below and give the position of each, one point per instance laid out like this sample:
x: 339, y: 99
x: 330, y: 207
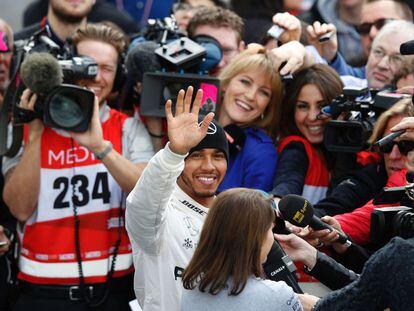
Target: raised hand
x: 293, y: 53
x: 328, y: 48
x: 184, y: 132
x: 291, y: 24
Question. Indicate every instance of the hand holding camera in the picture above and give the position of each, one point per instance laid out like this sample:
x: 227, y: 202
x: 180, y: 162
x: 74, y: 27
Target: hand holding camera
x: 27, y: 102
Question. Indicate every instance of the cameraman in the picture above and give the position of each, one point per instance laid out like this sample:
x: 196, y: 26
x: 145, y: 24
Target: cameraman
x: 75, y: 250
x: 357, y: 223
x: 223, y: 25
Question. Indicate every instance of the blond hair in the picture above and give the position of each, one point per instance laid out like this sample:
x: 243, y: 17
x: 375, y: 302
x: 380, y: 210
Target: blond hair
x: 258, y: 59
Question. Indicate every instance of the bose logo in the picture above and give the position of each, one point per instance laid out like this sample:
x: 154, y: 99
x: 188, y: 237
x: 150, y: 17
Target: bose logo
x: 212, y: 128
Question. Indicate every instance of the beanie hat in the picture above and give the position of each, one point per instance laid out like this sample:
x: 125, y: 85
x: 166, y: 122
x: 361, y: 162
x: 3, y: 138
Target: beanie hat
x: 215, y: 139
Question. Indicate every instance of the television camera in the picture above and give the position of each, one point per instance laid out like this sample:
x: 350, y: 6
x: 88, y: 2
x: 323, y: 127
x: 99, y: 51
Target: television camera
x: 173, y: 62
x: 359, y: 108
x: 43, y: 66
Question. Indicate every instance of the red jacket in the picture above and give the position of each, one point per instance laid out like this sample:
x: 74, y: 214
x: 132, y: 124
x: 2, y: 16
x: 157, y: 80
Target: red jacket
x: 357, y: 224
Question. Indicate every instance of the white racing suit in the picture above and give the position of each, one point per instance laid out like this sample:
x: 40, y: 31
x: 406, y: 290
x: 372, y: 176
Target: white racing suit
x: 164, y: 225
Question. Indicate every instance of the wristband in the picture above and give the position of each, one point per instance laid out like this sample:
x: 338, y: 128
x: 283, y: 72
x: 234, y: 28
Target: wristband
x: 103, y: 154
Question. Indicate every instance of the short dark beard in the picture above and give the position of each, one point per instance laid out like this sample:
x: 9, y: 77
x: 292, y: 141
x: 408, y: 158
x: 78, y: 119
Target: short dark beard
x: 193, y: 193
x: 67, y: 18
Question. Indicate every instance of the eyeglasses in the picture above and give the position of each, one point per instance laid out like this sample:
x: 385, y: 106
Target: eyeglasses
x: 395, y: 60
x: 405, y: 146
x: 365, y: 28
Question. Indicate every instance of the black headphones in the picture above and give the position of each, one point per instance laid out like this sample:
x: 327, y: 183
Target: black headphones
x: 120, y: 73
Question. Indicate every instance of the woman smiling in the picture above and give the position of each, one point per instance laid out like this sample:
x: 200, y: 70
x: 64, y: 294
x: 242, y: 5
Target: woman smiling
x: 252, y: 91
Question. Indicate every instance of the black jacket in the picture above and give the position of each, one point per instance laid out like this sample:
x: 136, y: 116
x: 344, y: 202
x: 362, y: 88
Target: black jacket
x: 387, y: 281
x: 354, y: 191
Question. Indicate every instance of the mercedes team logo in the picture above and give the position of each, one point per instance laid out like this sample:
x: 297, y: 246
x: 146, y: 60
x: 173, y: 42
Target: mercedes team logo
x: 212, y: 128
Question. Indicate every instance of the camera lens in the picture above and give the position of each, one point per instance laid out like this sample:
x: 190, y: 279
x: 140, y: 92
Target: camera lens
x: 353, y: 136
x: 403, y: 224
x: 65, y: 110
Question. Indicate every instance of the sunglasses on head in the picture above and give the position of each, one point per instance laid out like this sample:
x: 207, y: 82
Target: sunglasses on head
x: 365, y: 28
x: 405, y: 146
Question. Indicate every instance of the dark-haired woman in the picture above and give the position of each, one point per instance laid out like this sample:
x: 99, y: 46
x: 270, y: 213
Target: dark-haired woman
x: 302, y: 167
x: 225, y: 272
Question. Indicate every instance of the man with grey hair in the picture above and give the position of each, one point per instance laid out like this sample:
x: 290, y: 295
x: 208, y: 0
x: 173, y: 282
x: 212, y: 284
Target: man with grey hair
x: 384, y: 59
x: 374, y: 15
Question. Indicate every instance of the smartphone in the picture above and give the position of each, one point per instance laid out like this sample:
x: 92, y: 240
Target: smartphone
x: 275, y: 31
x: 326, y: 37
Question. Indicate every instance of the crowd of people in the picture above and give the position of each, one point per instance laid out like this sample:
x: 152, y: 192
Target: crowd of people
x: 181, y: 212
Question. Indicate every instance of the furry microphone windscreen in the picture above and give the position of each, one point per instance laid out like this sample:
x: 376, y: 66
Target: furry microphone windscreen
x: 41, y: 72
x: 142, y: 59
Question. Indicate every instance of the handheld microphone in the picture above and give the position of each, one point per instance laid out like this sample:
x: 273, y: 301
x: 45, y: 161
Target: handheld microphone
x: 41, y: 72
x: 279, y: 267
x: 299, y: 212
x: 142, y: 59
x: 407, y: 48
x: 235, y: 137
x: 390, y: 137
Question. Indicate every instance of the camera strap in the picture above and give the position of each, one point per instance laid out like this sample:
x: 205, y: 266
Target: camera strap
x: 9, y: 101
x: 83, y: 287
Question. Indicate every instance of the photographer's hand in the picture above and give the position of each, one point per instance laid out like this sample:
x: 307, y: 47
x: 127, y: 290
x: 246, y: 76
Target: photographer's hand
x: 26, y: 174
x: 184, y: 132
x: 125, y: 173
x: 28, y: 101
x: 92, y: 138
x: 291, y: 24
